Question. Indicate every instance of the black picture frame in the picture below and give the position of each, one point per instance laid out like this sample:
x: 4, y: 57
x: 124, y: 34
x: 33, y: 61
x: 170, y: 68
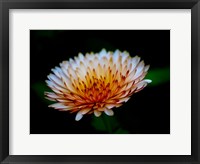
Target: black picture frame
x: 5, y: 5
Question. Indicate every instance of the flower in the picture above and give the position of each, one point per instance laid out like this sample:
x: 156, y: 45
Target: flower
x: 96, y: 83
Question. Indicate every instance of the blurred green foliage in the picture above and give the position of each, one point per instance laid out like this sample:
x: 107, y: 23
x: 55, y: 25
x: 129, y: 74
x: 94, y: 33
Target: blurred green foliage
x: 39, y: 89
x: 108, y: 124
x: 158, y: 76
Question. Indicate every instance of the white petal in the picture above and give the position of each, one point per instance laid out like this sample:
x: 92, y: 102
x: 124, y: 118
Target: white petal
x: 79, y: 115
x: 56, y: 90
x: 72, y: 73
x: 109, y: 112
x: 65, y: 78
x: 140, y: 66
x: 52, y: 95
x: 135, y: 62
x: 139, y: 70
x: 116, y: 56
x: 64, y: 100
x: 81, y: 73
x: 109, y: 106
x: 71, y: 61
x: 65, y: 109
x: 103, y: 53
x: 64, y: 63
x: 86, y: 110
x: 99, y: 70
x: 146, y: 68
x: 95, y: 62
x: 130, y: 85
x: 124, y: 99
x: 51, y: 99
x: 53, y: 85
x: 57, y: 71
x: 148, y: 80
x: 124, y: 57
x: 64, y: 66
x: 141, y: 84
x: 81, y: 56
x: 89, y: 56
x: 97, y: 113
x: 131, y: 76
x: 102, y: 109
x: 58, y: 106
x: 55, y: 79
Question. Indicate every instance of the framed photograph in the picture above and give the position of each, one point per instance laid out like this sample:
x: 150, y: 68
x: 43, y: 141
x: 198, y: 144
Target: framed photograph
x: 113, y: 81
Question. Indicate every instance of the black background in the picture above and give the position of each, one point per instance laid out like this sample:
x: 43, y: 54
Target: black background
x: 147, y: 112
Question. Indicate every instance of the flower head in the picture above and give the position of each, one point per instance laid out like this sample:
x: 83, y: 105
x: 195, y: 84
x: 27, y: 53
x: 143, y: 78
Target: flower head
x: 96, y: 83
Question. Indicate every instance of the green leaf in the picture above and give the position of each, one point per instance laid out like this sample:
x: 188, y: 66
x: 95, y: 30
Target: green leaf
x: 158, y: 76
x: 39, y: 89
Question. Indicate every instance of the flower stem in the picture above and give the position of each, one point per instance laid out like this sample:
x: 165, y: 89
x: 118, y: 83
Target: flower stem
x: 107, y: 123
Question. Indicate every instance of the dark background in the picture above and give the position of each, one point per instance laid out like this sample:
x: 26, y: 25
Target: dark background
x: 147, y: 112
